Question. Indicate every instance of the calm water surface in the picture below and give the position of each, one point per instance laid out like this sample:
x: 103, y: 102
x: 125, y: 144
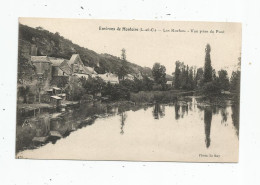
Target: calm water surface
x: 182, y: 131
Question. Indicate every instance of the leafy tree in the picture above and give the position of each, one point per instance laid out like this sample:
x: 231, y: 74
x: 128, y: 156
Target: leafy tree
x: 207, y: 65
x: 223, y: 80
x: 199, y: 78
x: 92, y: 85
x: 123, y: 54
x: 191, y: 83
x: 147, y: 84
x: 235, y: 82
x: 159, y: 74
x: 74, y: 89
x: 123, y: 70
x: 177, y: 75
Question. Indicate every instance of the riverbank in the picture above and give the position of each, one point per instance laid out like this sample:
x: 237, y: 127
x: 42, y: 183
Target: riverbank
x: 150, y: 97
x: 158, y: 96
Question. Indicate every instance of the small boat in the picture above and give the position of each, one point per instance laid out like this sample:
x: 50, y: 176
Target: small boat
x: 42, y: 139
x: 55, y: 134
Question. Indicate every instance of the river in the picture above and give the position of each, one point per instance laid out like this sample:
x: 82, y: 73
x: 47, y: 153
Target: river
x: 185, y: 130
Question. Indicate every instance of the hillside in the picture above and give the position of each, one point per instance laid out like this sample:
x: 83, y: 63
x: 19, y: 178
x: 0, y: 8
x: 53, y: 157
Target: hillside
x: 55, y: 45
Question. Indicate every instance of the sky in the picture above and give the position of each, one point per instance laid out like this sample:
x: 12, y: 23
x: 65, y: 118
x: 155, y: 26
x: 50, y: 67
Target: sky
x: 147, y: 47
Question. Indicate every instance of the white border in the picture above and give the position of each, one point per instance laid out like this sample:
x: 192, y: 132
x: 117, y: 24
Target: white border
x: 83, y: 172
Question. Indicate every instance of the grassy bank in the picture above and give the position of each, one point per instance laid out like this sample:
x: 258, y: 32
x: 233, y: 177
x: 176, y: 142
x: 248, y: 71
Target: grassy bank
x: 157, y: 96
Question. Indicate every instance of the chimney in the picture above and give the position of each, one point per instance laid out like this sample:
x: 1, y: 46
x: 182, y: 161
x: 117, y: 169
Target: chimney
x: 33, y: 50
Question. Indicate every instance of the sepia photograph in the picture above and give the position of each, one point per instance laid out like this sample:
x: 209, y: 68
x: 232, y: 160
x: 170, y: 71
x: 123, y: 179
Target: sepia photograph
x: 131, y: 90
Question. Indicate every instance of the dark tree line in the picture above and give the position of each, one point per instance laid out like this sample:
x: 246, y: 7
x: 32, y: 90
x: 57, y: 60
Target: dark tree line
x: 205, y: 79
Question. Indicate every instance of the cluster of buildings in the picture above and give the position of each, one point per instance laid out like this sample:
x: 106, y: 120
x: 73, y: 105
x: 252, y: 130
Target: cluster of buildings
x: 55, y: 70
x: 51, y: 68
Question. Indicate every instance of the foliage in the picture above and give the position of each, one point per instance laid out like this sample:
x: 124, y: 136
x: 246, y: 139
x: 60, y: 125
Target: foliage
x: 184, y: 76
x: 60, y: 81
x: 92, y: 85
x: 199, y: 78
x: 211, y: 88
x: 159, y: 74
x: 177, y: 75
x: 74, y: 89
x: 207, y: 65
x: 223, y: 80
x: 235, y: 82
x: 153, y: 96
x: 123, y: 70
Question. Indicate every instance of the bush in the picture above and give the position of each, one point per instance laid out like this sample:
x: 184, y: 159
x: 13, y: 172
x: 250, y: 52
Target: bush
x: 211, y: 88
x: 153, y: 96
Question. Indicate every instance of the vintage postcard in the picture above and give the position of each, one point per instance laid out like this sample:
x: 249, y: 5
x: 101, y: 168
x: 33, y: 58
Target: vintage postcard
x: 128, y: 90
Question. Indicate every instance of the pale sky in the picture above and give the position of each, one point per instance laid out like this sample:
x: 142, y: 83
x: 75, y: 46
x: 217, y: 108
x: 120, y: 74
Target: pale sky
x: 146, y: 48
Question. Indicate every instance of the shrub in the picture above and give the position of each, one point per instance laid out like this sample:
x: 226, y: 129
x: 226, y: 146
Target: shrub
x: 210, y: 88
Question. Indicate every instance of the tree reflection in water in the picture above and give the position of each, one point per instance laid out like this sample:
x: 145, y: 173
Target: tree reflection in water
x: 235, y: 117
x: 123, y: 117
x: 207, y: 124
x: 184, y: 109
x: 224, y: 115
x: 177, y: 109
x: 158, y: 111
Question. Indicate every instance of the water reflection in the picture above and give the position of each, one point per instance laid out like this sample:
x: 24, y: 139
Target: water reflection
x: 177, y: 111
x: 53, y: 126
x: 224, y: 115
x: 207, y: 124
x: 184, y: 109
x: 123, y: 117
x: 158, y: 111
x: 235, y: 117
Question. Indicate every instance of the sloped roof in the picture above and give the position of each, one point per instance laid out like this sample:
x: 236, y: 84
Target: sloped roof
x: 40, y: 59
x: 64, y: 66
x: 73, y: 58
x: 88, y: 70
x: 56, y: 61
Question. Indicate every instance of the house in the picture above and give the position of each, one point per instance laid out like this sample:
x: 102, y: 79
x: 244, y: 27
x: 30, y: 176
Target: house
x: 81, y: 75
x: 56, y: 101
x: 43, y: 66
x: 56, y: 90
x: 56, y: 69
x: 64, y: 66
x: 129, y: 77
x: 108, y: 77
x: 90, y: 69
x: 139, y: 76
x: 169, y: 83
x: 77, y: 66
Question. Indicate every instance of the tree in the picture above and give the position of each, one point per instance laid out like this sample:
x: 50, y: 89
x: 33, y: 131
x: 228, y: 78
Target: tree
x: 190, y: 84
x: 177, y: 75
x: 92, y: 85
x: 235, y: 82
x: 199, y: 78
x: 159, y: 74
x: 147, y: 84
x: 207, y: 65
x: 74, y: 88
x: 123, y: 54
x: 123, y: 70
x: 223, y: 80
